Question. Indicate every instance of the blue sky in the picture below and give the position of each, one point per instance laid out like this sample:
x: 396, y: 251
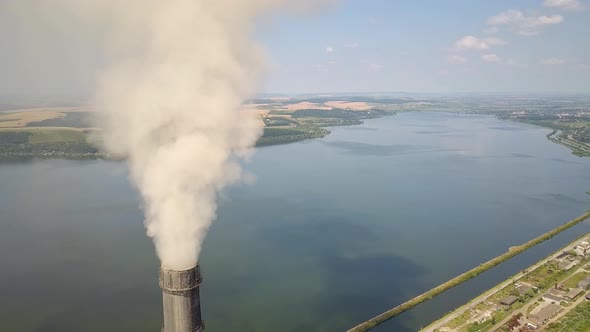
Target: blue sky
x: 350, y: 46
x: 432, y: 46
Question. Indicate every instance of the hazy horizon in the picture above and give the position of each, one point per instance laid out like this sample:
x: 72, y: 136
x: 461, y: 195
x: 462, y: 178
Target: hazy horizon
x: 456, y: 46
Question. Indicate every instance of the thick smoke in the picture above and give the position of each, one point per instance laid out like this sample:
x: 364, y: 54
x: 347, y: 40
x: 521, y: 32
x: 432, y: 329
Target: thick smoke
x: 172, y: 109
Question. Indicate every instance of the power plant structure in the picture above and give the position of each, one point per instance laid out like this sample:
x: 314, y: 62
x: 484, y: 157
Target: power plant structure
x: 182, y: 306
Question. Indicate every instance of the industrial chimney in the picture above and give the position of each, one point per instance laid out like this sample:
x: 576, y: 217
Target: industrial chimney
x: 182, y: 307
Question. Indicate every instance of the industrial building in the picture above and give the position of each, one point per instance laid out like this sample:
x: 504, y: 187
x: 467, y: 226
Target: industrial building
x: 544, y: 314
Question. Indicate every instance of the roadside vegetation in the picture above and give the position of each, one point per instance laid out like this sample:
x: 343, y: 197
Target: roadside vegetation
x: 576, y: 320
x: 513, y: 251
x: 550, y: 277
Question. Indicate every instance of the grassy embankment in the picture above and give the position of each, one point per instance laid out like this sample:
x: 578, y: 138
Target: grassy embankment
x: 513, y: 251
x: 578, y: 148
x: 574, y: 135
x: 543, y: 277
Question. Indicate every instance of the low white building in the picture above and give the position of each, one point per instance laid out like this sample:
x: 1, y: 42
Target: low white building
x: 567, y: 264
x: 583, y: 248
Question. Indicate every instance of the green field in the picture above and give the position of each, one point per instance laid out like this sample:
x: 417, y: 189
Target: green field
x: 45, y: 143
x: 573, y: 281
x: 55, y: 135
x: 283, y: 135
x: 577, y: 320
x: 38, y: 136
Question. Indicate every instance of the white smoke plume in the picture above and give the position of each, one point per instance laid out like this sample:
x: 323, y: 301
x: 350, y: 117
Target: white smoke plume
x: 172, y: 109
x: 176, y: 74
x: 171, y: 105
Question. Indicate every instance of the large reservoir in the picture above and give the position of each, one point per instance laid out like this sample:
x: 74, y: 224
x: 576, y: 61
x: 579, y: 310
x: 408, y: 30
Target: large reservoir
x: 325, y: 234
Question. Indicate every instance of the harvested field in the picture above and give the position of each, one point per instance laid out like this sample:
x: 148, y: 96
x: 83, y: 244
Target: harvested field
x: 353, y: 106
x: 306, y: 106
x: 22, y: 117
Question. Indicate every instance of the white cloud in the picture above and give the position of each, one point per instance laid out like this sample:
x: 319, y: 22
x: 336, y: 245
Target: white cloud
x: 473, y: 43
x: 571, y: 5
x: 456, y: 59
x: 552, y: 61
x: 523, y: 24
x: 490, y: 58
x: 329, y: 49
x: 352, y: 45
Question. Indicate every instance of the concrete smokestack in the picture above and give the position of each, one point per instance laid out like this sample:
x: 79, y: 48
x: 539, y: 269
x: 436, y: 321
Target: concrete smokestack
x: 182, y: 307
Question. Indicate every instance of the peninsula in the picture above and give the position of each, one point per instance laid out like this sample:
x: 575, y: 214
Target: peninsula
x: 71, y: 132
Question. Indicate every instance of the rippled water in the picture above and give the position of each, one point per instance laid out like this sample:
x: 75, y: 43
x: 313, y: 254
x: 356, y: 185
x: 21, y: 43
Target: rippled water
x: 332, y: 232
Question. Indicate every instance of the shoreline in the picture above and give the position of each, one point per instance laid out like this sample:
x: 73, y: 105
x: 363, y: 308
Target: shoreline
x: 488, y: 293
x: 512, y: 251
x: 271, y: 137
x: 556, y: 136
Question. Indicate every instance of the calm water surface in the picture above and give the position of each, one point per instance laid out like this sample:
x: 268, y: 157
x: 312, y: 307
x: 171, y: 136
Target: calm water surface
x: 332, y: 232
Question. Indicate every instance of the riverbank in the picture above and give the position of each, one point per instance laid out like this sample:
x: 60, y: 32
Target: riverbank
x: 578, y: 148
x: 464, y: 317
x: 302, y: 195
x: 512, y: 251
x: 569, y: 135
x: 76, y: 143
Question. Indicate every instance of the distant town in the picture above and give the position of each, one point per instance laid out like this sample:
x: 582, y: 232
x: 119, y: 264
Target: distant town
x: 571, y: 129
x: 72, y: 132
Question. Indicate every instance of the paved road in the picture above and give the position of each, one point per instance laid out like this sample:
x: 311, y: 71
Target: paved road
x: 573, y: 304
x: 523, y: 310
x: 458, y: 312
